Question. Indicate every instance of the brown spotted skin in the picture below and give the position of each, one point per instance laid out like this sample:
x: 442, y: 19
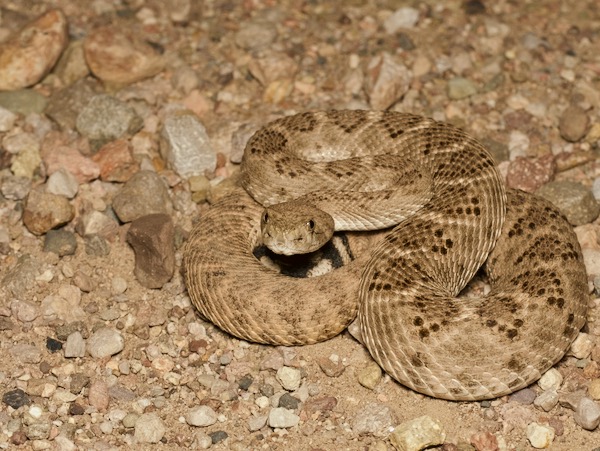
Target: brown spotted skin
x: 406, y: 290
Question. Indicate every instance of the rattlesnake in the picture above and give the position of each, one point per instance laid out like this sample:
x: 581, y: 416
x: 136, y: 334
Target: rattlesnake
x: 456, y: 216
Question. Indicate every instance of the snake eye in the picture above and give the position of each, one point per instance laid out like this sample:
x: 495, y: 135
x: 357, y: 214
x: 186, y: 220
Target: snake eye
x: 265, y: 217
x: 311, y: 224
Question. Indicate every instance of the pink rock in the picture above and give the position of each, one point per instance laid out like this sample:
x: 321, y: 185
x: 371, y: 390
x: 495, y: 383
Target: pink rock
x: 57, y: 153
x: 116, y: 161
x: 120, y: 56
x: 529, y: 174
x: 98, y: 395
x: 32, y: 52
x: 484, y: 441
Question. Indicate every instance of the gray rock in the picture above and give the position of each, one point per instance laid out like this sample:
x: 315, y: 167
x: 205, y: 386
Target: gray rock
x: 61, y: 242
x: 587, y: 414
x: 21, y: 278
x: 152, y: 238
x: 23, y: 101
x: 257, y: 423
x: 105, y: 342
x: 97, y: 223
x: 373, y: 419
x: 15, y: 188
x: 26, y: 353
x: 573, y: 199
x: 96, y: 245
x: 105, y: 118
x: 75, y: 345
x: 149, y: 428
x: 282, y: 418
x: 64, y: 105
x: 62, y: 183
x: 525, y: 396
x: 144, y: 194
x: 418, y: 434
x: 38, y: 430
x: 460, y: 88
x: 546, y: 400
x: 186, y: 146
x: 573, y: 123
x: 287, y: 401
x: 201, y: 416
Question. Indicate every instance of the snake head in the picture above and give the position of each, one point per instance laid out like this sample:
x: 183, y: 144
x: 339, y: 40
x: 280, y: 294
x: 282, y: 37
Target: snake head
x: 291, y: 228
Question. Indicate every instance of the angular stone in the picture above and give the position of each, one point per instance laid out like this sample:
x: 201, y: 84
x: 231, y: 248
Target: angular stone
x: 143, y: 194
x: 282, y: 418
x: 61, y: 242
x: 64, y: 105
x: 105, y: 342
x: 23, y: 101
x: 152, y: 239
x: 62, y: 183
x: 387, y: 81
x: 116, y: 161
x: 29, y: 55
x: 417, y: 434
x: 185, y: 145
x: 45, y: 211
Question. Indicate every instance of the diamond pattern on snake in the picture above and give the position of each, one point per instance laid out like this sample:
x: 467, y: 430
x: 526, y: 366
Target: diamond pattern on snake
x: 446, y: 213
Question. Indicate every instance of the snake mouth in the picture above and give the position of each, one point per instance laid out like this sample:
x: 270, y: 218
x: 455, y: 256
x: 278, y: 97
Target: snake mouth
x: 334, y: 254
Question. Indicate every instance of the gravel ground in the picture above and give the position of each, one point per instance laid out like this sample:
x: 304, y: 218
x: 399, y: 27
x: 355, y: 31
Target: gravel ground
x: 120, y: 121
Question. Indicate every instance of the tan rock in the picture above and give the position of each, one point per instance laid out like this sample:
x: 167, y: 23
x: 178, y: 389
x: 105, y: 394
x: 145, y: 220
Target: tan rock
x: 120, y: 56
x: 32, y: 52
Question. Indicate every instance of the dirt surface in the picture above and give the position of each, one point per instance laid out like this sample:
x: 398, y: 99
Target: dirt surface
x: 523, y: 77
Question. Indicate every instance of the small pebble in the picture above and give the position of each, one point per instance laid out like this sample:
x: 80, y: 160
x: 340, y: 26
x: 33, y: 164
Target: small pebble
x: 62, y: 183
x: 573, y: 199
x: 551, y: 379
x: 587, y: 414
x: 257, y: 423
x: 547, y: 400
x: 289, y: 378
x: 218, y: 436
x: 61, y: 242
x: 582, y: 346
x: 201, y: 416
x: 540, y: 436
x: 573, y: 123
x: 370, y: 375
x: 594, y: 389
x: 75, y: 345
x: 15, y: 398
x: 417, y: 434
x: 373, y: 419
x: 149, y: 428
x: 282, y: 418
x: 460, y: 88
x: 105, y: 342
x: 288, y: 401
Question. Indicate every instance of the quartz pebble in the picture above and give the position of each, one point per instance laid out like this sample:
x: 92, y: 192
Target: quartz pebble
x: 551, y: 379
x: 186, y: 147
x: 289, y: 378
x: 417, y: 434
x: 540, y: 436
x: 201, y: 416
x: 280, y: 417
x: 62, y: 183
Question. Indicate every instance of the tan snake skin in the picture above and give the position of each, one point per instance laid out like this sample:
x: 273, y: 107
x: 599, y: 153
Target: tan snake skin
x: 412, y: 322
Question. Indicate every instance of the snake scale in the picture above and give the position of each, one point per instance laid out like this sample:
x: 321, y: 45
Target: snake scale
x: 373, y: 170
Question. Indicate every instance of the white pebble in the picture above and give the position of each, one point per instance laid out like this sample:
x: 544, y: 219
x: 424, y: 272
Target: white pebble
x: 289, y: 378
x: 281, y: 417
x: 201, y: 416
x: 582, y: 346
x: 539, y: 435
x: 551, y: 379
x: 35, y: 411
